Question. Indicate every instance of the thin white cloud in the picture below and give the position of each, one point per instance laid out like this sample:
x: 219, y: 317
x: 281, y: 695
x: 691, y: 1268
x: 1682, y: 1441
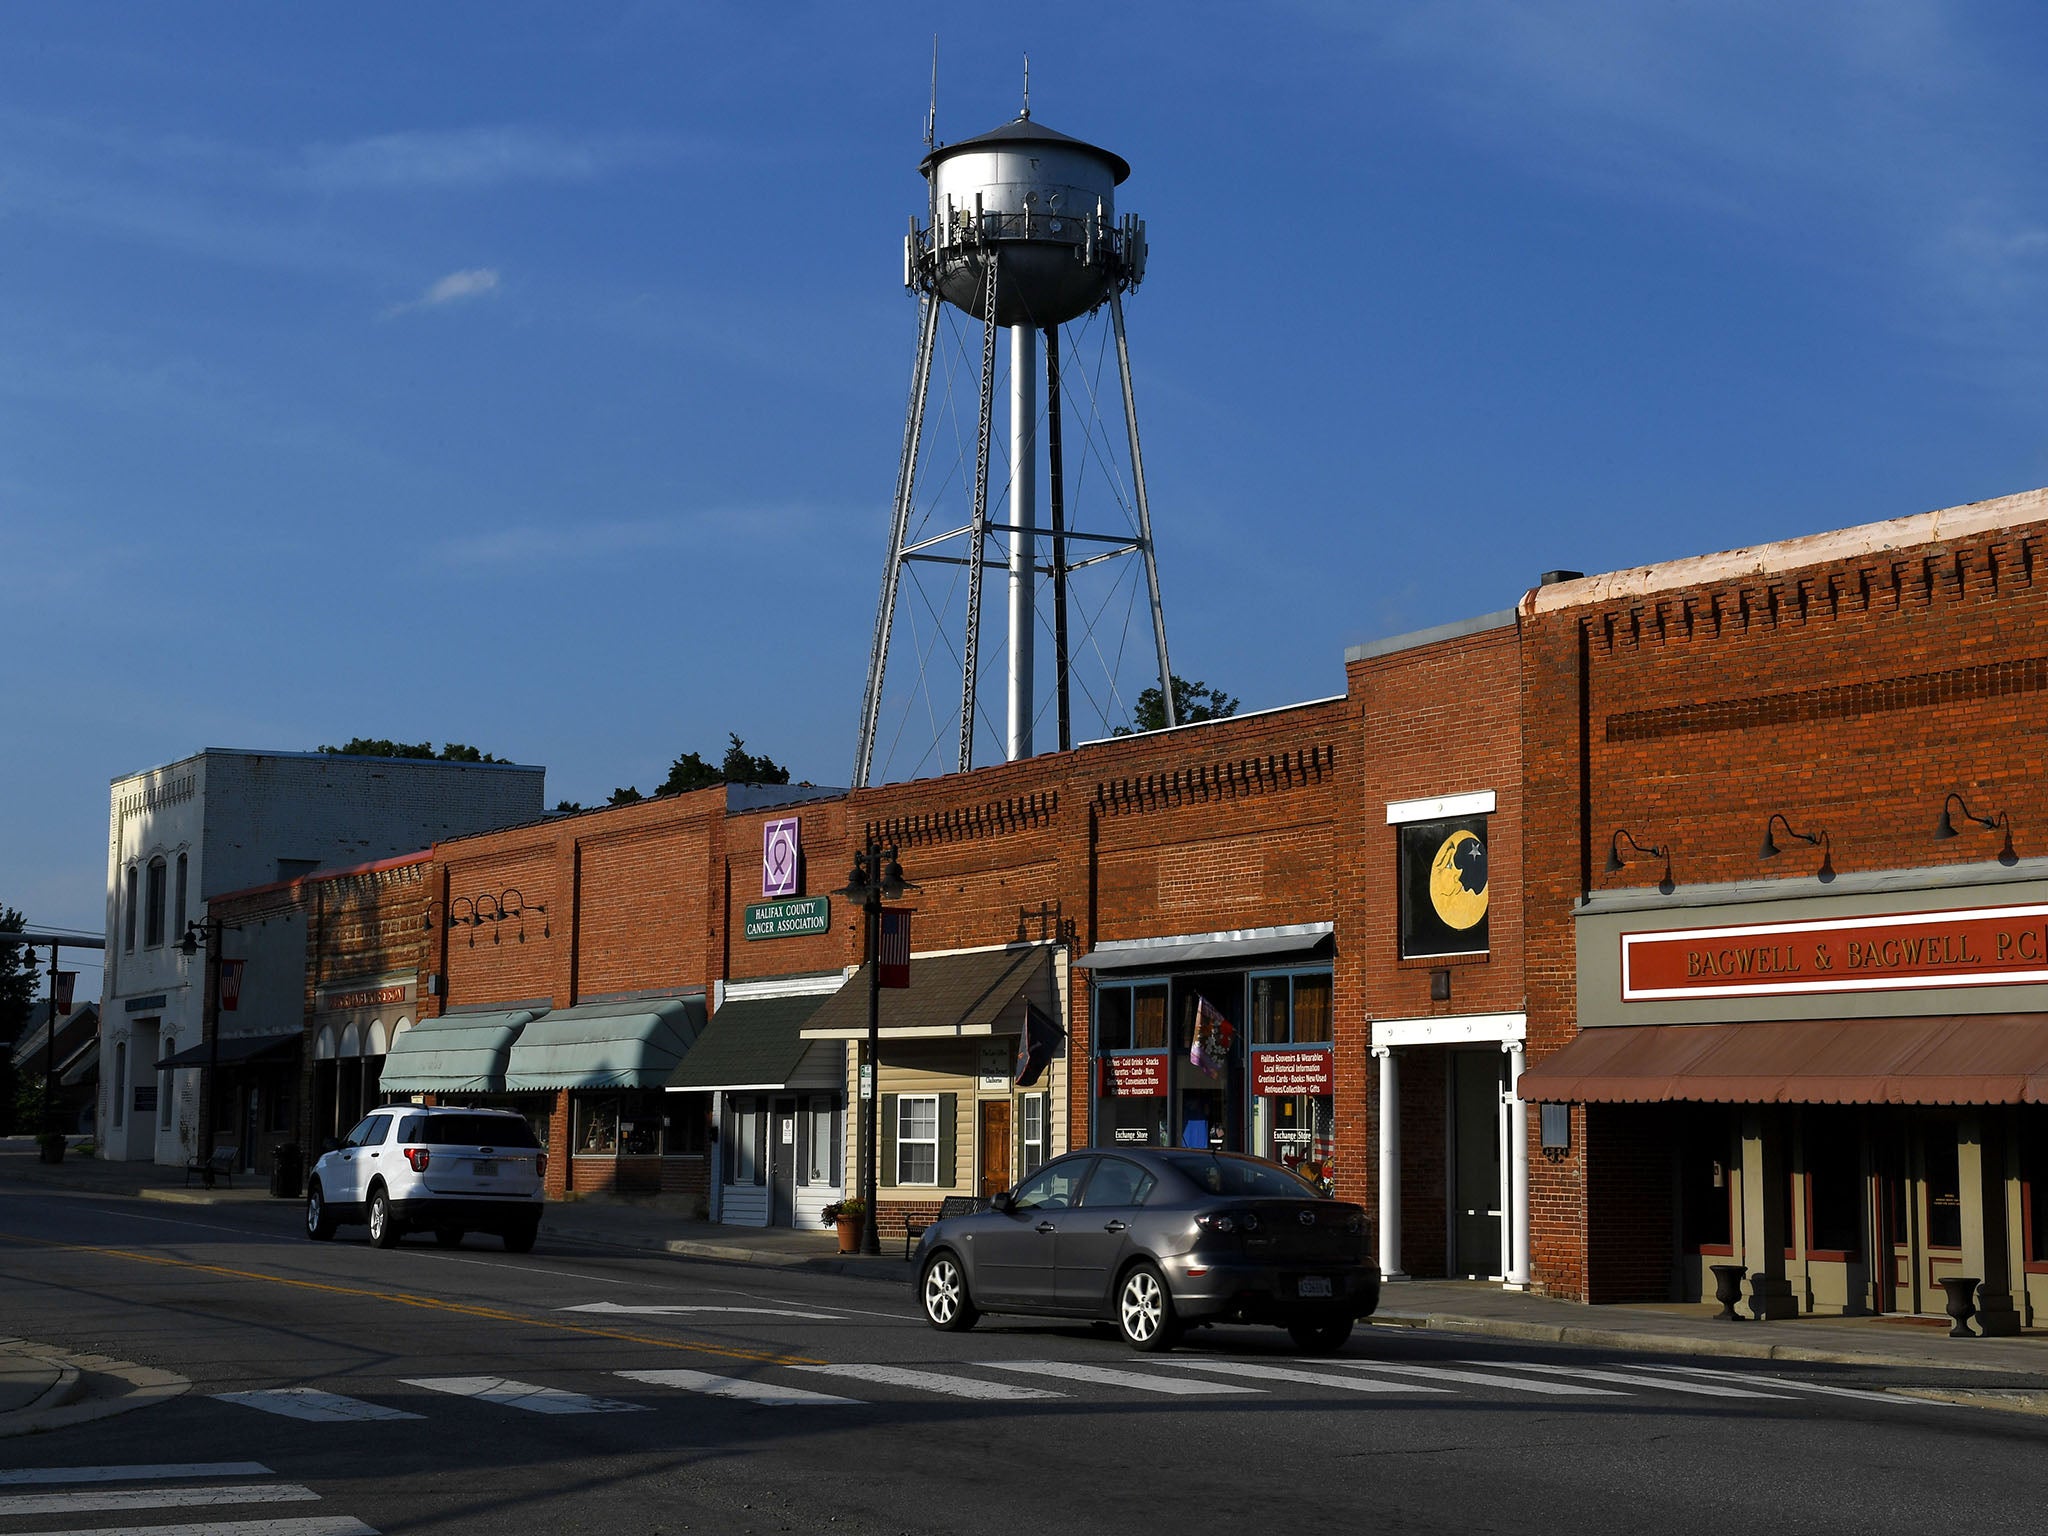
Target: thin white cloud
x: 468, y: 158
x: 609, y: 542
x: 455, y: 288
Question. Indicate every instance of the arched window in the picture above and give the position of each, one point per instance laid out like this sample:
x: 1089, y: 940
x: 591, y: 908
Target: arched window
x: 128, y: 910
x: 164, y: 1093
x: 178, y: 890
x: 121, y: 1077
x: 153, y: 904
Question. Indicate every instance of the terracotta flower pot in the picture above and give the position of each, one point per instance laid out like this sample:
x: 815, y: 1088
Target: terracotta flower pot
x: 849, y: 1234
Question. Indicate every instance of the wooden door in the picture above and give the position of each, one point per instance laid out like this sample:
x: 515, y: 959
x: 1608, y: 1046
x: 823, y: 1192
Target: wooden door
x: 995, y: 1147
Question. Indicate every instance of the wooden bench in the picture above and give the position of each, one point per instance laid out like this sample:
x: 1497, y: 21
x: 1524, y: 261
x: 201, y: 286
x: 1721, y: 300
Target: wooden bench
x: 220, y: 1166
x: 952, y: 1205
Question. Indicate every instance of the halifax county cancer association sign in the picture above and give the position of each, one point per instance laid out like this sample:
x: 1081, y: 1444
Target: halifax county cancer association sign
x: 1963, y: 947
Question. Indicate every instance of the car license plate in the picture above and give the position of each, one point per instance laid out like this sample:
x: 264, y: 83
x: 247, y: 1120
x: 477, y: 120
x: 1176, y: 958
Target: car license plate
x: 485, y: 1169
x: 1314, y: 1285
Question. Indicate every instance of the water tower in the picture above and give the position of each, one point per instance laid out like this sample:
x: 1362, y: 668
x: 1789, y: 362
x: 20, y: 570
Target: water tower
x: 1020, y: 233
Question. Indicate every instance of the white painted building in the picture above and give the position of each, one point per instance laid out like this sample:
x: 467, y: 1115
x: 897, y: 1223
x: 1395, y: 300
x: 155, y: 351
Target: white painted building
x: 224, y: 820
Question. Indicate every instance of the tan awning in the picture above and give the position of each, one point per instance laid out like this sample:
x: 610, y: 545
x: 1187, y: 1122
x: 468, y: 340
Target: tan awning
x: 984, y: 992
x: 1943, y: 1059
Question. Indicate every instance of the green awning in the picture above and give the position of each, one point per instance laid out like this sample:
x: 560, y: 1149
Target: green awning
x: 753, y: 1043
x: 456, y: 1053
x: 631, y: 1044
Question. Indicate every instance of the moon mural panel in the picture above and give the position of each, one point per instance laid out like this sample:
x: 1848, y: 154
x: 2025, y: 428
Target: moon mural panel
x: 1443, y: 887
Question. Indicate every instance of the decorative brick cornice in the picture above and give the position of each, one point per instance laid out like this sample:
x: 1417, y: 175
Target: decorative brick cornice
x: 1272, y: 773
x: 993, y: 818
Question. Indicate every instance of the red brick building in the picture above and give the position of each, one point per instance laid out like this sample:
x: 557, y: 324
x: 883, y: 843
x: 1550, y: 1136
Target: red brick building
x: 1801, y: 1035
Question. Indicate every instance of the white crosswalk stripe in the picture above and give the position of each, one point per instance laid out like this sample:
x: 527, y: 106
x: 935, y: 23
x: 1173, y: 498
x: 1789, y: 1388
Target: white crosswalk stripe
x: 315, y: 1406
x: 765, y: 1393
x: 1104, y: 1377
x: 520, y: 1394
x: 317, y: 1525
x: 1629, y: 1379
x: 1300, y: 1377
x: 1890, y: 1399
x: 146, y: 1474
x: 1481, y: 1379
x: 90, y: 1500
x: 933, y: 1381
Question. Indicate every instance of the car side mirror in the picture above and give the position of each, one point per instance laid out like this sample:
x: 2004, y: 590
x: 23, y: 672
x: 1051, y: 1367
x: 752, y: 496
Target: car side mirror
x: 1003, y: 1201
x: 329, y: 1144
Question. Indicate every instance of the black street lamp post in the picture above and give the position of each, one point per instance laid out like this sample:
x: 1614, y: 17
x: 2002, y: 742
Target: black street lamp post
x: 877, y: 877
x: 207, y: 931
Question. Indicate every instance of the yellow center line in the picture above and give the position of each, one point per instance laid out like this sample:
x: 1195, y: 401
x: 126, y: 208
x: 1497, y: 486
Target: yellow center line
x: 428, y: 1303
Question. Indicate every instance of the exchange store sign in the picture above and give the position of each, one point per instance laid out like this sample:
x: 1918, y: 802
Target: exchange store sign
x: 1964, y: 947
x: 1289, y: 1072
x: 788, y: 919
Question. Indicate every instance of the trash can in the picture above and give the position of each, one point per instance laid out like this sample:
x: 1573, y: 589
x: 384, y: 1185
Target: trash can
x: 287, y: 1166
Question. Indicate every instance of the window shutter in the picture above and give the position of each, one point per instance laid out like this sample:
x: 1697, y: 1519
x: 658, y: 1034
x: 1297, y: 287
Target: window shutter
x: 888, y: 1171
x: 762, y: 1119
x: 946, y: 1139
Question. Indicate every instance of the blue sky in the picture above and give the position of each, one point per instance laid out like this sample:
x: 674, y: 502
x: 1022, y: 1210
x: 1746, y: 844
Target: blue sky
x: 532, y: 376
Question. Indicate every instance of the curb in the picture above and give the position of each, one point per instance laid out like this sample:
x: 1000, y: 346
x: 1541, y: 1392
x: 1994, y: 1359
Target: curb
x: 67, y: 1401
x: 731, y: 1253
x: 1672, y: 1343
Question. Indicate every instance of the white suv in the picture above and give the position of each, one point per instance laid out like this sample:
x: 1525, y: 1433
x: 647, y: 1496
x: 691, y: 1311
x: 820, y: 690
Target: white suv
x: 442, y: 1169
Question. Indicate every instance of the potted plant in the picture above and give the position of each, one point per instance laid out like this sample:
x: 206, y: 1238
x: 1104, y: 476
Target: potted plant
x: 846, y: 1216
x: 50, y: 1147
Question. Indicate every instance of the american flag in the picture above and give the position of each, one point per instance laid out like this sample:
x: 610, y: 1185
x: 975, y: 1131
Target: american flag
x: 892, y: 948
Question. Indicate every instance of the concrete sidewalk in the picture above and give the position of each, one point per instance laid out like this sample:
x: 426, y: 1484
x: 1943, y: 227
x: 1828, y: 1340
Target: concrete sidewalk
x: 653, y: 1226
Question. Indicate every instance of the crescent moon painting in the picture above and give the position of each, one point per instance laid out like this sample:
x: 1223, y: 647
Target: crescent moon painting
x: 1457, y: 880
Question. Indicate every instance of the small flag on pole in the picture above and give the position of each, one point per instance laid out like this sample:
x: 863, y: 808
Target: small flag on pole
x: 231, y: 984
x: 67, y: 981
x: 892, y: 949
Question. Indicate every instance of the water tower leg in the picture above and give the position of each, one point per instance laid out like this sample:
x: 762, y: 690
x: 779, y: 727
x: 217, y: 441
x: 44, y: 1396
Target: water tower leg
x: 1056, y: 504
x: 1023, y: 542
x: 899, y: 523
x: 1123, y: 370
x: 977, y: 533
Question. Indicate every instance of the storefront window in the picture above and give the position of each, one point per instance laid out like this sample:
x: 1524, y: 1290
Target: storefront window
x: 2034, y: 1174
x: 823, y: 1167
x: 1293, y: 1085
x: 688, y: 1117
x: 1133, y: 1070
x: 1705, y: 1188
x: 1944, y: 1189
x: 597, y: 1127
x: 1834, y: 1185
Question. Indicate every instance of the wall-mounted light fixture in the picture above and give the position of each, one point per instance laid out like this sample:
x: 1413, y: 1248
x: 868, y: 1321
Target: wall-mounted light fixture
x: 1616, y: 863
x: 1946, y: 827
x: 1770, y: 849
x: 520, y: 906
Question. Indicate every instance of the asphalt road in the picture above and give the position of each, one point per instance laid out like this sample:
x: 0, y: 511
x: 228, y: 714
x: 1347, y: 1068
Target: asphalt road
x: 473, y: 1391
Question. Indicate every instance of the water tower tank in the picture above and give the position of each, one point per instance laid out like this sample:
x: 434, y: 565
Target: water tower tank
x: 1040, y: 207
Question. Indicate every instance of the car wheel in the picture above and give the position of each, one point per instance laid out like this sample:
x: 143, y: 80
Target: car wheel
x: 319, y: 1224
x: 383, y: 1228
x: 1320, y: 1338
x: 521, y: 1239
x: 943, y: 1290
x: 448, y: 1237
x: 1144, y: 1310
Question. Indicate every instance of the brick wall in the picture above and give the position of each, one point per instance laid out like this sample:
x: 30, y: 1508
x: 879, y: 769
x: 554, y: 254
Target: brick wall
x: 1848, y: 681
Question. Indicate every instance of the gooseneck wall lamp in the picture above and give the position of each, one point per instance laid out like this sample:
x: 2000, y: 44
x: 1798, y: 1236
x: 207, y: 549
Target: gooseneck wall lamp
x: 1946, y: 827
x: 1616, y: 862
x: 1771, y: 850
x: 472, y: 912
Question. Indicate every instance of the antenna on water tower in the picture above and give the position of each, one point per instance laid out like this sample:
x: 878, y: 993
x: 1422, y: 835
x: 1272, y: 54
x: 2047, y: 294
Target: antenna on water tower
x: 1022, y: 235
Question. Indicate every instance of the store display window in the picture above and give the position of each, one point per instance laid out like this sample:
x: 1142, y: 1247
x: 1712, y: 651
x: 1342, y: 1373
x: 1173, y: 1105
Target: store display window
x: 1132, y: 1070
x: 1293, y: 1083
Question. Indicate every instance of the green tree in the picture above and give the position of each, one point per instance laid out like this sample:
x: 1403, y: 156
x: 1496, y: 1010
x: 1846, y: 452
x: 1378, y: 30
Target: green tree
x: 17, y: 979
x: 626, y: 794
x: 378, y: 746
x: 1191, y: 702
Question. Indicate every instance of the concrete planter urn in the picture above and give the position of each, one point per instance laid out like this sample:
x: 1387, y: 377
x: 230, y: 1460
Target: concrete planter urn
x: 1962, y: 1304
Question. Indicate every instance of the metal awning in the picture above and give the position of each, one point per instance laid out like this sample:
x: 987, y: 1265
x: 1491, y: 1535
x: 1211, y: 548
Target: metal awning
x: 1940, y: 1059
x: 983, y: 992
x: 84, y: 1067
x: 1206, y: 948
x: 751, y: 1043
x: 633, y: 1043
x: 236, y: 1051
x: 456, y: 1053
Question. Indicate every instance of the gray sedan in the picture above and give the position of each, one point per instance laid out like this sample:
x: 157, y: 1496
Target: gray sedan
x: 1156, y: 1240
